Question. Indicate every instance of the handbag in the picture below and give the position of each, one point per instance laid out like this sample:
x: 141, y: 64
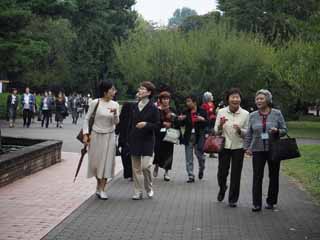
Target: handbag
x: 213, y: 144
x: 172, y: 135
x: 91, y: 122
x: 284, y: 149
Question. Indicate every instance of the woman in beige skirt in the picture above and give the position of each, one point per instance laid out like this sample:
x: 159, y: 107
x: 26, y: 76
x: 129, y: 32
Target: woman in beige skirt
x: 101, y: 142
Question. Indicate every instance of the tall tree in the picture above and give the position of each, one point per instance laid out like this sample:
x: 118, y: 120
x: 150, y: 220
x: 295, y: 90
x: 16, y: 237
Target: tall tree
x: 180, y: 15
x: 98, y: 23
x: 277, y: 20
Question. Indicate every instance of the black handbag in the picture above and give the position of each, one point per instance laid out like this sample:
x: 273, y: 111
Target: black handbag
x: 91, y: 122
x: 284, y: 149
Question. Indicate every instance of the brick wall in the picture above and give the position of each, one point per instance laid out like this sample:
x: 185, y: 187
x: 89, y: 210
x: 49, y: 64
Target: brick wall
x: 28, y: 160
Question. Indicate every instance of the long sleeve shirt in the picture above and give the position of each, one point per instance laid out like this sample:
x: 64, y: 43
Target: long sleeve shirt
x: 105, y: 121
x: 234, y: 139
x: 254, y: 140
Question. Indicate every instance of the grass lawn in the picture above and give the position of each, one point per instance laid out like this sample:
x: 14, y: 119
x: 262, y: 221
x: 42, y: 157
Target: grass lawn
x: 304, y: 129
x: 306, y: 169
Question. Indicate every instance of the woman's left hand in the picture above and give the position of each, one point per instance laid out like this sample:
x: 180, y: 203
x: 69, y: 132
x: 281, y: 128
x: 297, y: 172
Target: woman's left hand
x: 141, y: 125
x: 274, y: 130
x: 200, y: 119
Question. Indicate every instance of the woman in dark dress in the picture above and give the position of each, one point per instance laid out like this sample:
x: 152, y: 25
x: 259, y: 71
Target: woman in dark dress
x: 123, y: 130
x: 164, y: 150
x: 61, y: 110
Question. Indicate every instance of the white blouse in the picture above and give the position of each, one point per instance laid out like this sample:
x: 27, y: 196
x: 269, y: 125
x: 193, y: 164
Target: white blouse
x: 105, y: 121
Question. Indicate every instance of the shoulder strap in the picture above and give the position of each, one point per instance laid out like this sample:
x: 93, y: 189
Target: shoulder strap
x: 95, y: 109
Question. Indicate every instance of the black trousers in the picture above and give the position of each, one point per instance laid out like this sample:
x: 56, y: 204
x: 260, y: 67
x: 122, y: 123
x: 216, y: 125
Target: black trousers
x: 27, y: 115
x: 259, y: 160
x: 126, y: 162
x: 235, y: 157
x: 45, y: 117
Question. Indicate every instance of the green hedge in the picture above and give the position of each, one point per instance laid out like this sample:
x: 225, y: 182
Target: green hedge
x: 3, y: 105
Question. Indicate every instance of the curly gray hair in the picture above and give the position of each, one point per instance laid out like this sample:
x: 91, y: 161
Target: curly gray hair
x: 266, y: 93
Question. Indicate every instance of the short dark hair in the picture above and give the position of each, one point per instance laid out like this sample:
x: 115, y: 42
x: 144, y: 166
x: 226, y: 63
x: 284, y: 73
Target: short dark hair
x: 104, y: 86
x: 232, y: 91
x: 149, y: 86
x: 193, y: 97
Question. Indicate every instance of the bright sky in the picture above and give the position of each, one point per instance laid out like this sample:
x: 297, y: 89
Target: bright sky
x: 161, y: 10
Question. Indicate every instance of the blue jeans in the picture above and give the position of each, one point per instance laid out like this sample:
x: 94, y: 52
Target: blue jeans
x: 198, y: 150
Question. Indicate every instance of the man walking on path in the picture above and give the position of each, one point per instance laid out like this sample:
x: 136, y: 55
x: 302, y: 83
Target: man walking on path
x: 145, y: 120
x: 12, y: 106
x: 28, y: 105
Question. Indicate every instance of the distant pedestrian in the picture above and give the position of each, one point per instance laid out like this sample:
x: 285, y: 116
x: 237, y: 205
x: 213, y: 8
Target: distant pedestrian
x: 28, y: 102
x: 61, y: 110
x: 195, y: 121
x: 210, y: 108
x: 52, y: 107
x: 45, y: 108
x: 265, y: 124
x: 232, y: 123
x: 12, y: 107
x: 74, y: 106
x: 145, y: 121
x: 102, y: 144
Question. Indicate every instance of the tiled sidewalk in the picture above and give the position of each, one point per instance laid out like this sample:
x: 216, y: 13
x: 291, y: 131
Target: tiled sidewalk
x: 32, y: 206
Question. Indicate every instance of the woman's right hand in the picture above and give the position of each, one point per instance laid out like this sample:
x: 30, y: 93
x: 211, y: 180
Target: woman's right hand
x: 86, y: 139
x: 223, y: 120
x: 248, y: 152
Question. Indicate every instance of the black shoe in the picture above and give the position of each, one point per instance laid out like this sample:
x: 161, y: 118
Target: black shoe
x: 269, y: 207
x: 200, y: 175
x: 221, y: 194
x: 232, y: 205
x: 256, y: 209
x: 190, y: 180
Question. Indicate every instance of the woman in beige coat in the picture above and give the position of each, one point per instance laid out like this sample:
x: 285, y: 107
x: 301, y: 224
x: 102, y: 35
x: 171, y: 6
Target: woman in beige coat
x: 101, y: 142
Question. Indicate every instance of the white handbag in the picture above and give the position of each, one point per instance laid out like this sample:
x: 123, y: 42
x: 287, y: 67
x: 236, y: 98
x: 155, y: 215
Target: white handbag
x: 172, y: 135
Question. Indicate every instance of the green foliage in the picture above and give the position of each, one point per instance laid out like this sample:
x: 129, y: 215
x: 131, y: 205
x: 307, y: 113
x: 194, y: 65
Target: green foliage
x: 298, y: 66
x: 97, y: 24
x: 213, y: 58
x: 180, y: 15
x: 198, y: 21
x: 278, y: 21
x: 60, y: 44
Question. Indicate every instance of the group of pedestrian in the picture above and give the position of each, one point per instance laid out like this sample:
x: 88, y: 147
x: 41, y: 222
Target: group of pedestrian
x: 147, y: 132
x: 60, y: 105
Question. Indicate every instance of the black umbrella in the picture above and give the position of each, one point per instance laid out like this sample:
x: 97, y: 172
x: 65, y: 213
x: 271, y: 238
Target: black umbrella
x: 83, y: 153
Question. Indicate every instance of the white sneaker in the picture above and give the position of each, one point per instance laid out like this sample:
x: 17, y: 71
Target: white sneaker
x: 137, y: 196
x: 103, y: 195
x: 98, y: 193
x: 166, y: 177
x: 150, y: 194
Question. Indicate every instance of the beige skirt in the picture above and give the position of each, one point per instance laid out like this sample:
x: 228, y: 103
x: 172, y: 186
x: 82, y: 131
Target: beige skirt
x: 101, y: 155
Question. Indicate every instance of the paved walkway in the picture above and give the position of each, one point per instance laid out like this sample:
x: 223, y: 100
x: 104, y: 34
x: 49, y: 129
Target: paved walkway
x: 190, y: 211
x: 32, y: 206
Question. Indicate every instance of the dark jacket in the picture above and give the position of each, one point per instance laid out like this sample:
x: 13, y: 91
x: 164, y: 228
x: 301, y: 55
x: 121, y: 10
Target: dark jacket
x: 9, y: 102
x: 32, y: 102
x: 124, y: 126
x: 49, y: 102
x: 200, y: 127
x: 142, y: 141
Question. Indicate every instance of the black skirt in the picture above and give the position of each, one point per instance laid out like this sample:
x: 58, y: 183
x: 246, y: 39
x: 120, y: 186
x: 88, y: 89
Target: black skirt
x: 163, y: 153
